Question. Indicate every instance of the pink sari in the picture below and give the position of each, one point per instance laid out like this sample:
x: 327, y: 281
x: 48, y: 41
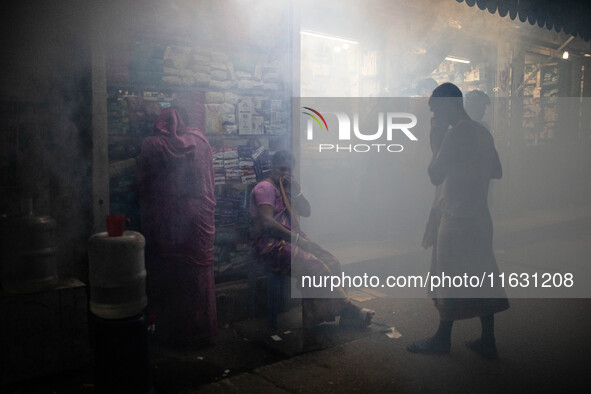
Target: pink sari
x: 281, y: 256
x: 177, y: 203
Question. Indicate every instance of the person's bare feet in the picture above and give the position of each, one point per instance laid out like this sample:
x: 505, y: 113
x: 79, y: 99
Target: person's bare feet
x: 352, y: 316
x: 485, y: 348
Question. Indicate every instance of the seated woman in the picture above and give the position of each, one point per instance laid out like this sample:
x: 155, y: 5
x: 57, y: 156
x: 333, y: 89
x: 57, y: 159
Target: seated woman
x: 275, y: 204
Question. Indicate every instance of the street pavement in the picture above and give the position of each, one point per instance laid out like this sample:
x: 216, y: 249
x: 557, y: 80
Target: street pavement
x: 544, y: 344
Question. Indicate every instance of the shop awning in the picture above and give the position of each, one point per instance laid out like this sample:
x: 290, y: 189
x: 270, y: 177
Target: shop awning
x: 570, y: 16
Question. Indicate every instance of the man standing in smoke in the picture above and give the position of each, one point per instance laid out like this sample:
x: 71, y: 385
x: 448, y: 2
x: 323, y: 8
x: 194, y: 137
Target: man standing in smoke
x: 460, y: 227
x: 475, y: 104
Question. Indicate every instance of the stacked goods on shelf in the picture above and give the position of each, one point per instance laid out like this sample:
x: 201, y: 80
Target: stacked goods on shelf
x: 232, y: 97
x: 549, y: 98
x: 236, y: 169
x: 247, y: 172
x: 244, y: 116
x: 540, y: 112
x: 277, y: 118
x: 118, y: 117
x: 260, y: 115
x: 232, y: 219
x: 220, y: 116
x: 551, y: 75
x: 467, y: 77
x: 240, y: 164
x: 121, y: 176
x: 122, y: 151
x: 231, y: 165
x: 187, y: 66
x: 531, y: 106
x: 224, y: 160
x: 175, y: 66
x: 227, y: 209
x: 226, y: 111
x: 130, y: 118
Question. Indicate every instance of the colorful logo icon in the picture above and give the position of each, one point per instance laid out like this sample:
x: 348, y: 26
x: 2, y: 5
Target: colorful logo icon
x: 315, y: 118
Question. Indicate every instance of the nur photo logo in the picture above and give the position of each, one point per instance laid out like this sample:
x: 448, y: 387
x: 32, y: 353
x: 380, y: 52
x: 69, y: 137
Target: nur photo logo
x: 315, y: 118
x: 389, y: 125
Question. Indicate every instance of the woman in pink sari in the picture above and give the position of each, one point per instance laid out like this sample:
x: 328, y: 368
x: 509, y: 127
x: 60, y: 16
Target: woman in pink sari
x: 177, y: 204
x: 280, y: 244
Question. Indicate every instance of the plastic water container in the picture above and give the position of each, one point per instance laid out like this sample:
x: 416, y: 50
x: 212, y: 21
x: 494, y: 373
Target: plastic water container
x: 117, y: 275
x: 28, y: 253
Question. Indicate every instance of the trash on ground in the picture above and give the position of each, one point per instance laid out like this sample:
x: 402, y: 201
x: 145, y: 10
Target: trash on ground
x: 393, y: 333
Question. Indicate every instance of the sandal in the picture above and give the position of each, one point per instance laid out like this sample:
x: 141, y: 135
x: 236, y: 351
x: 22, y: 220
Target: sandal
x: 352, y: 316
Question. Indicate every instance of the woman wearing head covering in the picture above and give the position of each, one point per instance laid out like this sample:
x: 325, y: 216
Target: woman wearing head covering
x: 284, y: 248
x: 177, y: 203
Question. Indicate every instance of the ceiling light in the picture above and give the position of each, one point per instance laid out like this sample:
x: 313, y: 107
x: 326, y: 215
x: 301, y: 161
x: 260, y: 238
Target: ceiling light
x: 565, y: 55
x: 457, y: 59
x: 454, y: 23
x: 328, y: 37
